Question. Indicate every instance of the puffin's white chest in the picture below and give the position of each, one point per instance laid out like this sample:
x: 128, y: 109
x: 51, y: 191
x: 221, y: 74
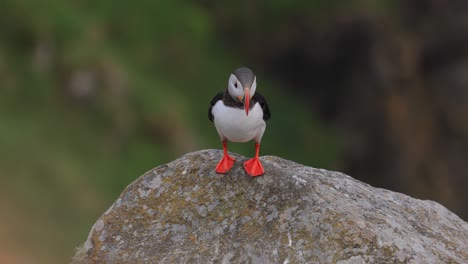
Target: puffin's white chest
x: 235, y: 125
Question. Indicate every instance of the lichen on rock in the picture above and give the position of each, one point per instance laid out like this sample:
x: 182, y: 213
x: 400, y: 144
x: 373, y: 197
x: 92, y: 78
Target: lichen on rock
x: 183, y: 212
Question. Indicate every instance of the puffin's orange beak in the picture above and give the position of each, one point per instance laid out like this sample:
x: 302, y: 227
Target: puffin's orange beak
x: 247, y: 100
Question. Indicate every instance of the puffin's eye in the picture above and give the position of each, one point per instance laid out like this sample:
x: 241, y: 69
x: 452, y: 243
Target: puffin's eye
x: 235, y: 84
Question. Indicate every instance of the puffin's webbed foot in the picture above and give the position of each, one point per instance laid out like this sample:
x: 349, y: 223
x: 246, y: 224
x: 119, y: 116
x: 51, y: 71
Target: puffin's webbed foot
x: 225, y: 164
x: 253, y: 167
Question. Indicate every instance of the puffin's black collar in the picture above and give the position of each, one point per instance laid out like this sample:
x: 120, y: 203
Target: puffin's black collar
x: 231, y: 102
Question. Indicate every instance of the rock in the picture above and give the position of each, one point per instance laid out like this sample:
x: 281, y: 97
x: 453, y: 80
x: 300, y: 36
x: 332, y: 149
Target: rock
x: 183, y: 212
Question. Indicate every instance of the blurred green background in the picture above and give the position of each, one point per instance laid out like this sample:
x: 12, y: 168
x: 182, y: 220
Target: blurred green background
x: 95, y: 93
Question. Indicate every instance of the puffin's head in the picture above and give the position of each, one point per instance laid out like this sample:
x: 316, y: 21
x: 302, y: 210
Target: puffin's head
x: 241, y: 86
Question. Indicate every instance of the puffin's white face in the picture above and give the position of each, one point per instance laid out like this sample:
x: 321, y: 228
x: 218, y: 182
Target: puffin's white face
x: 236, y: 88
x: 254, y: 86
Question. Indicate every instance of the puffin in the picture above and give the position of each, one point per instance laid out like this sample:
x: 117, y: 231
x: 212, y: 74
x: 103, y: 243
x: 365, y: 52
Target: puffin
x: 239, y: 114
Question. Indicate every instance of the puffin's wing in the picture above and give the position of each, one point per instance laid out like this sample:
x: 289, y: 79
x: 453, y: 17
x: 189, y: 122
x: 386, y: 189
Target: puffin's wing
x: 215, y: 99
x: 261, y: 100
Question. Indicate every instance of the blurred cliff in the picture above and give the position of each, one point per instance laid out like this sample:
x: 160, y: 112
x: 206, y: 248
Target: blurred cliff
x: 90, y: 90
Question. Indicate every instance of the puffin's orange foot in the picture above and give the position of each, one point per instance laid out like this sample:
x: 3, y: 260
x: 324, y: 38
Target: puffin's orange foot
x: 253, y: 167
x: 225, y: 164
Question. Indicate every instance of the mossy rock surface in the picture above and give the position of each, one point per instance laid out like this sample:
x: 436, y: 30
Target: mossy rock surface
x: 183, y: 212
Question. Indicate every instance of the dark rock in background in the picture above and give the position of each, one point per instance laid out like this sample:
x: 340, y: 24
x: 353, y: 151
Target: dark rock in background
x: 184, y: 212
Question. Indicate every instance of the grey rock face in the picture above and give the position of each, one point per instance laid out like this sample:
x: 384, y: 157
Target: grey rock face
x: 184, y: 212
